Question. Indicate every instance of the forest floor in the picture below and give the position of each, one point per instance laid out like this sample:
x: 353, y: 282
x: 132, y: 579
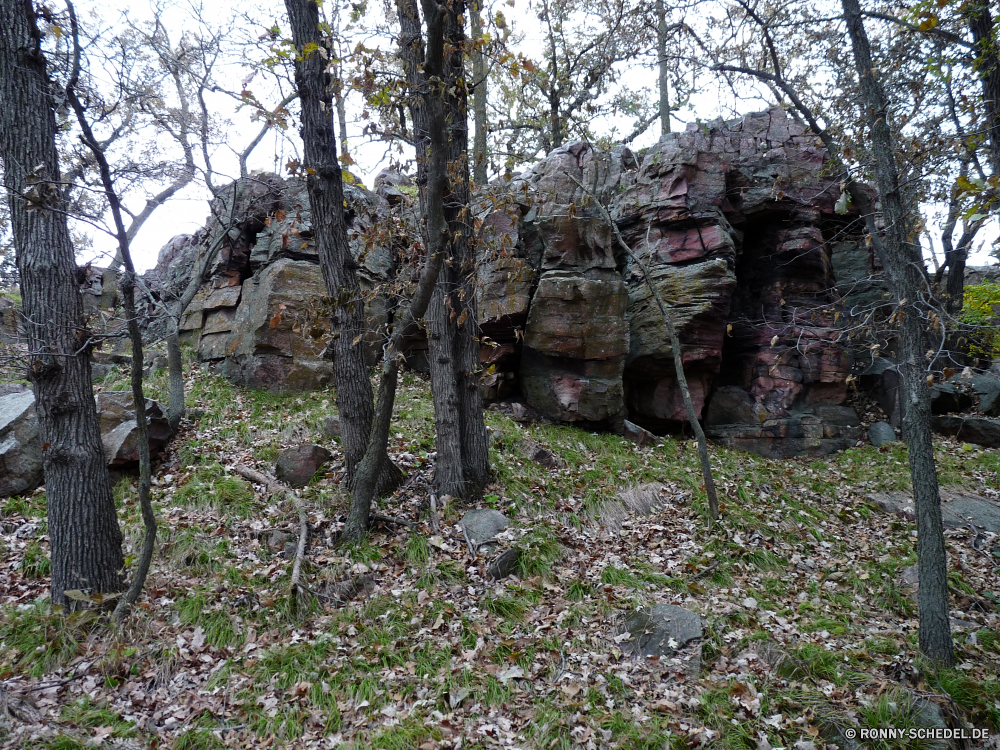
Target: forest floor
x: 810, y: 631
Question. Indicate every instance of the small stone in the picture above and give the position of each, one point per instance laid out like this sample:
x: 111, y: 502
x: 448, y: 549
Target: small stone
x: 881, y: 433
x: 661, y: 631
x: 504, y: 564
x: 639, y: 435
x: 331, y: 426
x: 542, y: 456
x: 482, y: 525
x: 296, y: 466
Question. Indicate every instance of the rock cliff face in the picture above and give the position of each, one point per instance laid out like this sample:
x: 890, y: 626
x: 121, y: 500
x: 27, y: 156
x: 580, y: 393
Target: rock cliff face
x: 734, y: 220
x: 262, y: 317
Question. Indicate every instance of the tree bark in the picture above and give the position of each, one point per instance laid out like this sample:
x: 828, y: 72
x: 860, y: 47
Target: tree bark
x: 661, y: 59
x: 132, y: 322
x: 984, y: 36
x: 479, y: 93
x: 84, y: 536
x: 904, y: 268
x: 326, y: 198
x: 462, y: 464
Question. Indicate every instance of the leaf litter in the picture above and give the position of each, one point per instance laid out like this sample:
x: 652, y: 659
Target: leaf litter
x: 407, y: 641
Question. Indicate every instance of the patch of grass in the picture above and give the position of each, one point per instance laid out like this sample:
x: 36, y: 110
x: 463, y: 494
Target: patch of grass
x: 411, y: 733
x: 894, y: 709
x: 198, y: 739
x: 29, y: 506
x: 578, y: 590
x: 85, y: 713
x: 418, y: 551
x: 62, y: 742
x: 43, y: 639
x: 36, y: 563
x: 540, y: 549
x: 980, y: 700
x: 220, y: 628
x: 505, y: 607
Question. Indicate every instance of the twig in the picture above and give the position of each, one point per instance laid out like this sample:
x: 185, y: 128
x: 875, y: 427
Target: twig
x: 276, y: 487
x: 473, y: 549
x: 434, y: 516
x: 393, y: 519
x: 707, y: 570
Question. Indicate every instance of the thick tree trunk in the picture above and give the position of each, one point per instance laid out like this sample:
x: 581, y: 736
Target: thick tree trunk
x: 84, y: 536
x: 988, y: 65
x: 903, y: 264
x: 479, y: 93
x: 661, y: 59
x: 326, y: 198
x: 462, y: 465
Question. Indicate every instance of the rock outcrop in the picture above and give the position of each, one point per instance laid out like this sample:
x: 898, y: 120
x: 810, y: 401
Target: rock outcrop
x: 263, y: 316
x: 732, y: 221
x: 735, y: 222
x: 21, y: 447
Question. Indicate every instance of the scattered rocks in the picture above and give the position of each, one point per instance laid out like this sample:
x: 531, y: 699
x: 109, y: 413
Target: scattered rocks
x: 20, y: 446
x: 482, y: 525
x: 296, y: 466
x: 504, y: 564
x: 881, y: 433
x: 118, y: 428
x: 978, y: 430
x: 957, y: 510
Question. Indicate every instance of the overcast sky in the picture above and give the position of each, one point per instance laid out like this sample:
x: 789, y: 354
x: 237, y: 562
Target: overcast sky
x: 188, y: 211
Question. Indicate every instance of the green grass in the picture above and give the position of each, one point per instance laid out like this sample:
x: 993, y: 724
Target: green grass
x: 42, y: 640
x: 221, y: 630
x: 198, y: 739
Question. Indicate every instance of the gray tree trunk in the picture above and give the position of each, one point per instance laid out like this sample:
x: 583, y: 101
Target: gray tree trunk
x: 84, y: 536
x: 462, y: 465
x: 904, y: 267
x: 326, y: 198
x: 984, y: 35
x: 661, y: 59
x: 479, y: 93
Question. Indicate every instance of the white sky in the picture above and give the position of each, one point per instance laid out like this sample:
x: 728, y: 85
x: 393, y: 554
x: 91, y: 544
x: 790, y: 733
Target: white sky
x: 188, y: 211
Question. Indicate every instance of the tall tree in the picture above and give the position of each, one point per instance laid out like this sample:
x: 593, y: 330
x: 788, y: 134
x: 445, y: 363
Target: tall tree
x: 462, y: 465
x: 84, y: 536
x: 480, y: 93
x: 903, y: 264
x: 324, y: 182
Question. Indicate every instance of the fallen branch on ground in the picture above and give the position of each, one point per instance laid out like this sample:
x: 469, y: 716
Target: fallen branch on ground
x: 277, y: 488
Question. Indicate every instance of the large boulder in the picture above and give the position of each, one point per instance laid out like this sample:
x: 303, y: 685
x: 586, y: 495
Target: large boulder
x: 20, y: 446
x: 119, y: 428
x: 276, y: 338
x: 298, y: 465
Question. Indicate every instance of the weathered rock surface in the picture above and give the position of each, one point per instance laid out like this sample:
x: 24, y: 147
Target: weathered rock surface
x: 21, y: 459
x: 978, y: 430
x: 734, y: 220
x: 263, y: 315
x: 958, y: 510
x: 118, y: 428
x: 881, y: 433
x: 20, y: 446
x: 483, y: 524
x: 297, y: 466
x: 662, y: 631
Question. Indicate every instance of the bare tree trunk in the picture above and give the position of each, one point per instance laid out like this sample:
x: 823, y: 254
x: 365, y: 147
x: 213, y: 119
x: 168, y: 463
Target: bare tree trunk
x: 462, y: 464
x: 904, y: 268
x: 661, y: 59
x: 132, y: 321
x: 326, y: 198
x: 985, y: 37
x: 84, y: 536
x: 338, y: 96
x: 435, y: 168
x: 175, y: 375
x: 479, y: 93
